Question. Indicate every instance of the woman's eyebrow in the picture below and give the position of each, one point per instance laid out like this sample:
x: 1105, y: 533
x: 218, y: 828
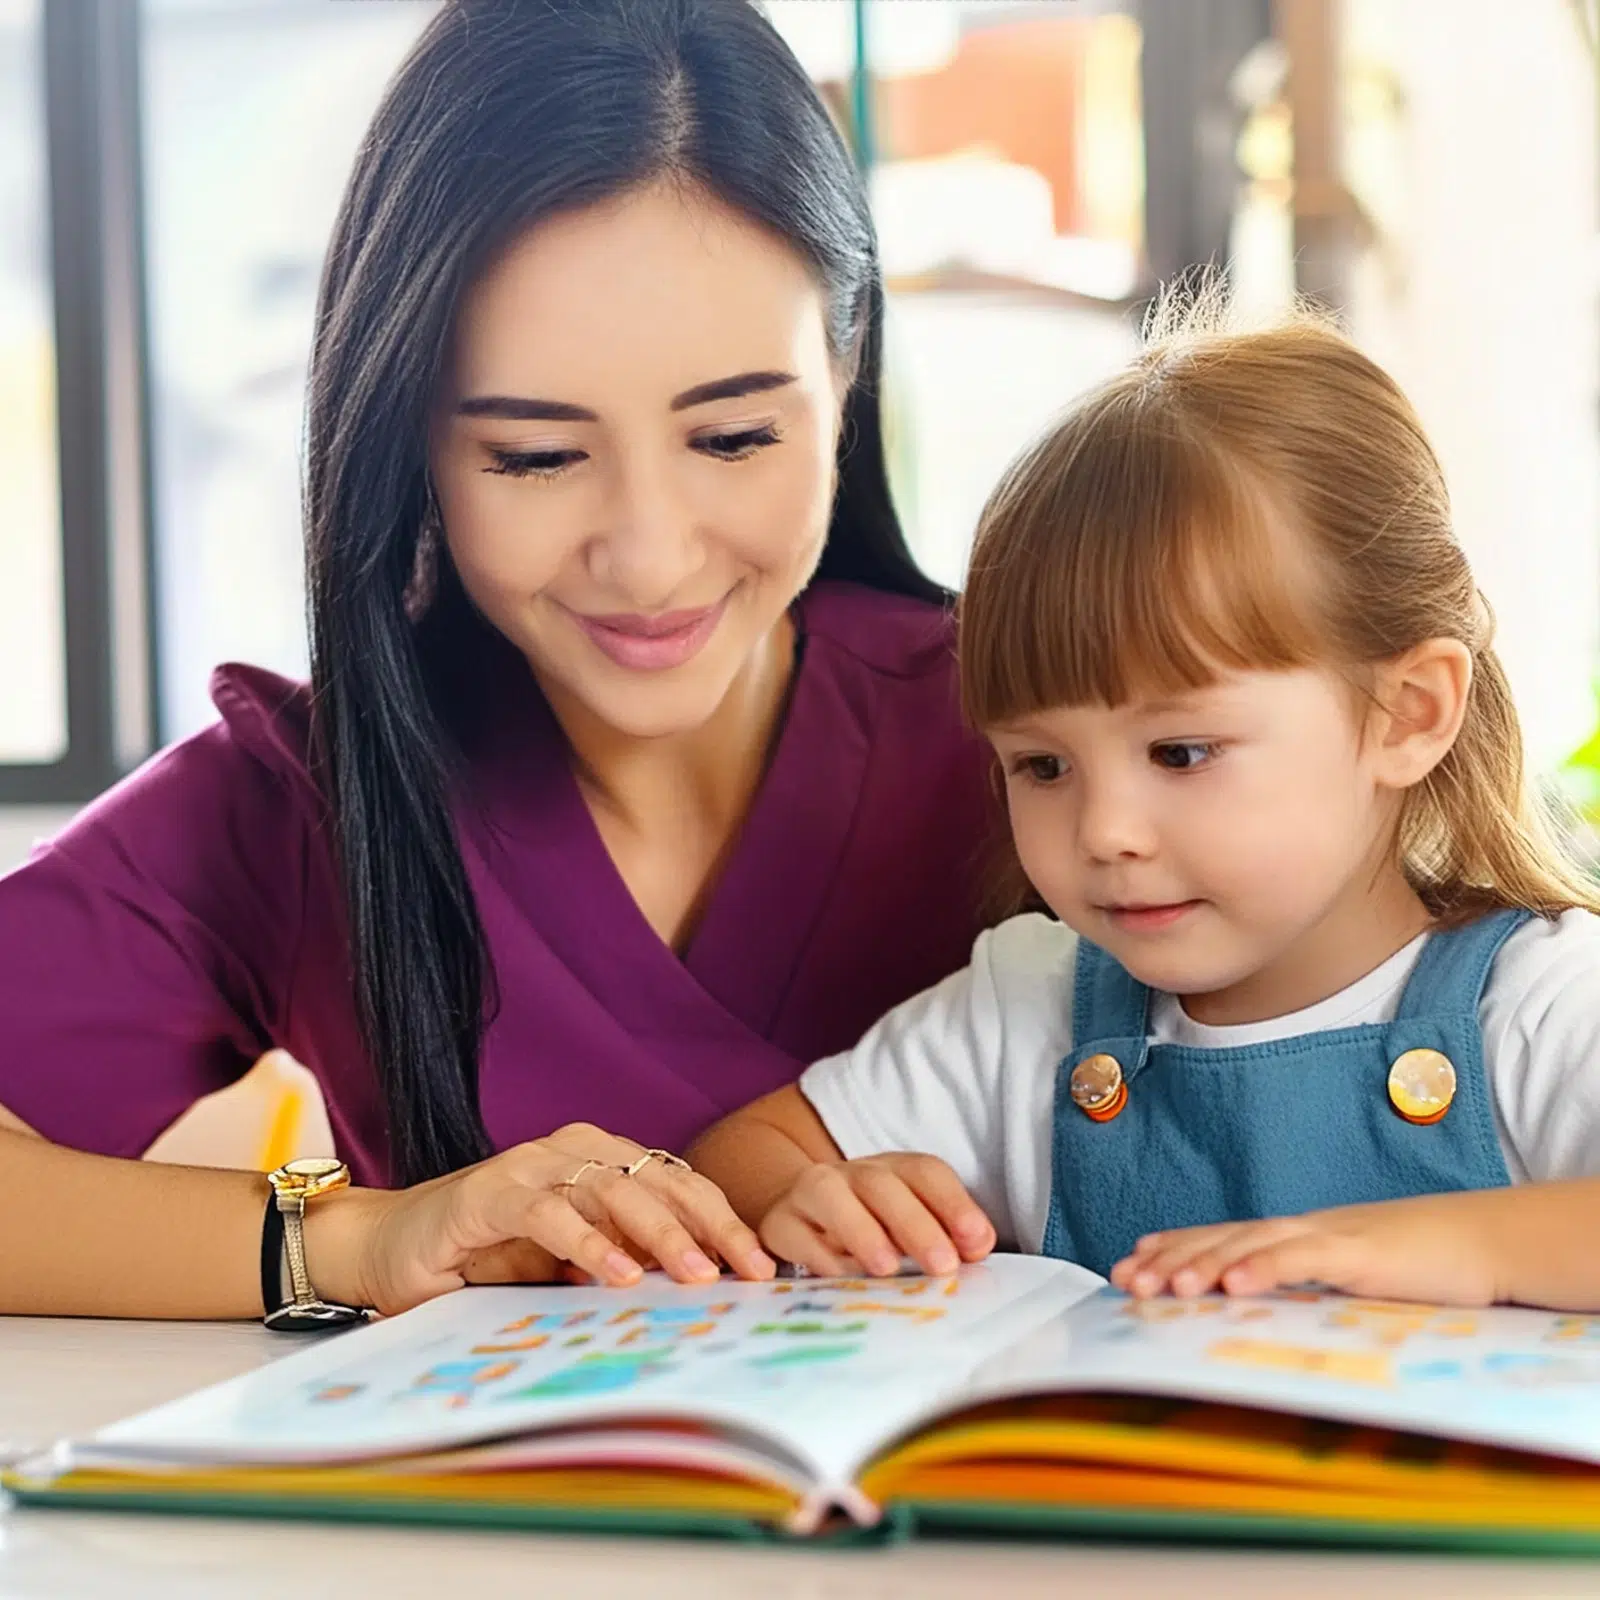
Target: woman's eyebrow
x: 731, y: 388
x: 520, y: 408
x: 516, y: 408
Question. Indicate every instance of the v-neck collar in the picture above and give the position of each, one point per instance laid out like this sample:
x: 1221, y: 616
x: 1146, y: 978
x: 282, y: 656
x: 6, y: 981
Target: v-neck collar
x: 774, y: 883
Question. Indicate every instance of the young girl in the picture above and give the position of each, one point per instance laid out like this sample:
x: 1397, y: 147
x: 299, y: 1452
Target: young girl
x: 1314, y: 949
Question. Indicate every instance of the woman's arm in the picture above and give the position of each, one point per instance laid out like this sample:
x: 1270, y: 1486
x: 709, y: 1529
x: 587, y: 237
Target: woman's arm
x: 90, y: 1235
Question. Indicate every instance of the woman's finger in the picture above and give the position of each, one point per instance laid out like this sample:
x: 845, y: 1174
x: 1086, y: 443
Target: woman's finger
x: 647, y: 1221
x: 704, y: 1210
x: 512, y: 1261
x: 550, y: 1220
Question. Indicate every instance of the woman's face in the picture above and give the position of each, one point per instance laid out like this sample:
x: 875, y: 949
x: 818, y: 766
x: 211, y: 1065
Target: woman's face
x: 634, y: 451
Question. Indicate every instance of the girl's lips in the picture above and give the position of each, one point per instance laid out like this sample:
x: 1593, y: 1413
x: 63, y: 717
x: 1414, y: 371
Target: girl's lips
x: 652, y: 644
x: 1149, y: 919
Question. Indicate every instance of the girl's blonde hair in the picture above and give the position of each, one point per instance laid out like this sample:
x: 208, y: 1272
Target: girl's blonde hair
x: 1247, y: 500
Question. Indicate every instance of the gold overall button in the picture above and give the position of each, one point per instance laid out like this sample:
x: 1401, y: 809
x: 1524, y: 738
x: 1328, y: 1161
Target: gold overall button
x: 1098, y: 1088
x: 1422, y: 1083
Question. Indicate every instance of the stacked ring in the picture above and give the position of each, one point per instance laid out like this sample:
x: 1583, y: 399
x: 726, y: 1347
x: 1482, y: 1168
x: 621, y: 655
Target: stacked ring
x: 664, y: 1156
x: 572, y: 1182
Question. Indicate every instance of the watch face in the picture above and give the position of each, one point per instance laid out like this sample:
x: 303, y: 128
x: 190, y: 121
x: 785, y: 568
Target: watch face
x: 312, y: 1167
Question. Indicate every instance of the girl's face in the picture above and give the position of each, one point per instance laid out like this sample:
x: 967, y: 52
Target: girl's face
x: 634, y: 450
x: 1225, y: 843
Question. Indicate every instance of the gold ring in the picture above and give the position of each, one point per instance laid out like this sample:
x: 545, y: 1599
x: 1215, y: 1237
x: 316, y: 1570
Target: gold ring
x: 572, y: 1182
x: 664, y: 1156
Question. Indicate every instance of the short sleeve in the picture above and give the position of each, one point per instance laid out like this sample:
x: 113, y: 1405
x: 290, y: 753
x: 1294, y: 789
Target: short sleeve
x: 965, y: 1072
x: 145, y: 952
x: 1540, y: 1017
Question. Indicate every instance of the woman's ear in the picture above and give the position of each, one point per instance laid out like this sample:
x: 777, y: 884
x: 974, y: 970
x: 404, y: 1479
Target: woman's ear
x: 1419, y: 699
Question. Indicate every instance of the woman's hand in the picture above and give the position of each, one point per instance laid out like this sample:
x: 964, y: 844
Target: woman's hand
x: 518, y: 1218
x: 875, y: 1211
x: 1444, y: 1248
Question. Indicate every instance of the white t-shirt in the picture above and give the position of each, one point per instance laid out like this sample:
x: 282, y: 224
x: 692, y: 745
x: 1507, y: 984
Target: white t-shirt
x: 967, y: 1070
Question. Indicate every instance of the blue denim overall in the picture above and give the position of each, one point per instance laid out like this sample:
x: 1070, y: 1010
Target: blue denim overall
x: 1267, y: 1129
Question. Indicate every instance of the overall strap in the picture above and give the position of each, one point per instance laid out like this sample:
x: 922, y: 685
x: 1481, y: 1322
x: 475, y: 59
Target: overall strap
x: 1108, y: 1002
x: 1454, y: 965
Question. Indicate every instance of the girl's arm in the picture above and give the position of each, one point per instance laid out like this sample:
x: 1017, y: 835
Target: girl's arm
x: 1532, y: 1244
x: 91, y: 1235
x: 755, y: 1155
x: 785, y: 1175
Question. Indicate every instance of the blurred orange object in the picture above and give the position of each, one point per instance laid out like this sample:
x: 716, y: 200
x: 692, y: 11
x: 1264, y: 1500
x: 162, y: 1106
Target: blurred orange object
x: 272, y: 1114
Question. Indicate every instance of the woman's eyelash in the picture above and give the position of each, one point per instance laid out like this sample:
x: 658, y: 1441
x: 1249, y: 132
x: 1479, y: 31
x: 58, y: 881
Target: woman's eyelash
x: 552, y: 463
x: 737, y: 446
x: 532, y: 463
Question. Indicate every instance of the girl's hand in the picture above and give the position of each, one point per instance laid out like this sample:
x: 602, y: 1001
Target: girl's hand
x: 876, y: 1211
x: 516, y: 1218
x: 1443, y: 1248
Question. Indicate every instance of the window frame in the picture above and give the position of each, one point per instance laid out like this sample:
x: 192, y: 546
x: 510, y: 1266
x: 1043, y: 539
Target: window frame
x: 95, y: 228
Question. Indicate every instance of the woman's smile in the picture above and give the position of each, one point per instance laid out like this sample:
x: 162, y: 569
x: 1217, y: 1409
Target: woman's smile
x: 640, y: 643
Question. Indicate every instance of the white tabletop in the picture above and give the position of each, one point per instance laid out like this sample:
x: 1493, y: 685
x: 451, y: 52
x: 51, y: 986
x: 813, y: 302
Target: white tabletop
x: 65, y: 1378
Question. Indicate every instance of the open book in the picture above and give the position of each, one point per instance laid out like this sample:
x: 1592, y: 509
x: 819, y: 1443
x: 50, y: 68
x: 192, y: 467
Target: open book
x: 1021, y: 1395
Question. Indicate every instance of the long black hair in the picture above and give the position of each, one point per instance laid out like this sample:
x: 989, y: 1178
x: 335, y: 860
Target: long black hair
x: 506, y: 112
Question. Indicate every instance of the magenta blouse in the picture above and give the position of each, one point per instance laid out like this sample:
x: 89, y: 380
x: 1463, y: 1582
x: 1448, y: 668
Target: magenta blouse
x: 191, y: 918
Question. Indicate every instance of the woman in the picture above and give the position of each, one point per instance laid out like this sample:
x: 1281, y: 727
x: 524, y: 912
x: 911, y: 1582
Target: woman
x: 630, y: 776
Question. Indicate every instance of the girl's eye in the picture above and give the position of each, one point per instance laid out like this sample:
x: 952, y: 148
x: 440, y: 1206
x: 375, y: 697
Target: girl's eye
x: 739, y: 446
x: 1183, y: 757
x: 533, y: 463
x: 1038, y: 769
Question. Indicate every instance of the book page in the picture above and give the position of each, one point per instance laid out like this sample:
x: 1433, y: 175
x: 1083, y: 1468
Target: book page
x: 820, y: 1368
x: 1502, y: 1375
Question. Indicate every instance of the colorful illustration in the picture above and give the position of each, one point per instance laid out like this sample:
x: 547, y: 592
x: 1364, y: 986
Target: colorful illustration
x: 459, y: 1381
x: 1172, y: 1310
x: 534, y: 1341
x: 809, y: 1329
x: 805, y: 1355
x: 547, y: 1320
x: 329, y: 1394
x: 669, y: 1316
x: 1345, y: 1366
x: 601, y: 1373
x: 873, y: 1308
x: 1579, y: 1330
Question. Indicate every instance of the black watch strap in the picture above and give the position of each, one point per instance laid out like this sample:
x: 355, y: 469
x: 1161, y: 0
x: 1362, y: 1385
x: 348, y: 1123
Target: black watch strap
x: 272, y: 1257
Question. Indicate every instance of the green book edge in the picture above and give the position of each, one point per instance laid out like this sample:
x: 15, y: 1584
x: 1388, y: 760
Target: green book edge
x: 904, y: 1520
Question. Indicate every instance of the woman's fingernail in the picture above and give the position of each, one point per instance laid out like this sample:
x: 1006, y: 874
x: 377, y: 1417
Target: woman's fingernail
x: 1185, y: 1282
x: 698, y: 1264
x: 943, y: 1259
x: 619, y: 1265
x: 1145, y: 1283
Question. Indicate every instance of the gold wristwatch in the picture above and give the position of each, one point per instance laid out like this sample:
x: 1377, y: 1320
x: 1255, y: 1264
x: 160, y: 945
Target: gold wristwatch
x: 293, y: 1184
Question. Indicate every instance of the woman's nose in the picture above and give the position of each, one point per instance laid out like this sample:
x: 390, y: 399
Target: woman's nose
x: 651, y: 542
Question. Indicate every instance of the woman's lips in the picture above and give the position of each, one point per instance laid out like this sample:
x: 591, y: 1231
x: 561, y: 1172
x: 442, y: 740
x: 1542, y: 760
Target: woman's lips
x: 652, y: 644
x: 1149, y: 919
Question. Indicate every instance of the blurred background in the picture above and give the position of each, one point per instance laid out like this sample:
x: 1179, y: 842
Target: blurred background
x: 170, y: 169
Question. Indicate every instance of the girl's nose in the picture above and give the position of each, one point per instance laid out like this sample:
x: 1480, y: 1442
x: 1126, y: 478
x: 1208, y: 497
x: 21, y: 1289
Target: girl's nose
x: 1112, y: 826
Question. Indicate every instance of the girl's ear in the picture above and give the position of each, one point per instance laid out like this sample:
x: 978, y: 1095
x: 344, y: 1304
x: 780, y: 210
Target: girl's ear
x: 1419, y: 699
